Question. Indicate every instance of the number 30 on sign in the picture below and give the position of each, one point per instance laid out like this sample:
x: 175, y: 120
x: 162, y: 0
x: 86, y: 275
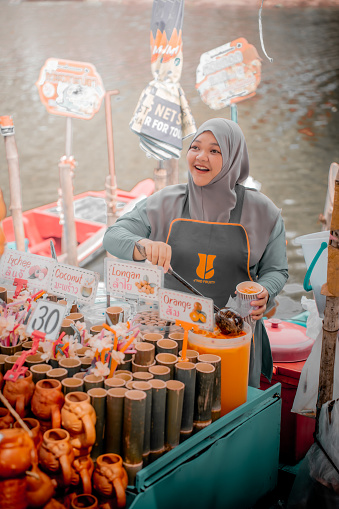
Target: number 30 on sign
x: 47, y: 318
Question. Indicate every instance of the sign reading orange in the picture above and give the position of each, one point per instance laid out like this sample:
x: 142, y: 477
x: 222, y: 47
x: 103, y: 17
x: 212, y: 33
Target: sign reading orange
x: 70, y: 88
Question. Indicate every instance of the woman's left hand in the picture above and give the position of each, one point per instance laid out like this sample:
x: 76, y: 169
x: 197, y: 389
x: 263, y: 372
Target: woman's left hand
x: 260, y: 305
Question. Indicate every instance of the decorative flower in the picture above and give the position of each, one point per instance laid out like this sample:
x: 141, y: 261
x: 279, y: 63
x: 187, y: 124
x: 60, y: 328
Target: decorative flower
x: 118, y: 356
x: 101, y: 369
x: 47, y: 347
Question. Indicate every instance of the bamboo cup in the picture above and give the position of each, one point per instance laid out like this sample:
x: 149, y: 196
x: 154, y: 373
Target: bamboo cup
x: 139, y: 367
x: 32, y: 360
x: 147, y: 388
x: 152, y: 337
x: 133, y: 432
x: 174, y: 404
x: 27, y: 345
x: 39, y: 371
x: 86, y: 363
x: 203, y: 395
x: 178, y: 337
x: 158, y: 413
x: 2, y: 363
x: 144, y: 355
x: 71, y: 364
x: 109, y: 383
x: 81, y: 375
x: 72, y: 385
x: 142, y: 376
x: 93, y: 382
x: 115, y: 313
x: 98, y: 402
x: 96, y: 329
x: 160, y: 372
x: 11, y: 350
x: 215, y: 360
x: 114, y: 419
x: 191, y: 355
x: 66, y: 327
x: 127, y: 364
x: 167, y: 346
x: 10, y: 360
x: 167, y: 359
x: 3, y: 293
x: 185, y: 372
x: 123, y: 376
x: 76, y: 317
x: 129, y: 384
x: 57, y: 374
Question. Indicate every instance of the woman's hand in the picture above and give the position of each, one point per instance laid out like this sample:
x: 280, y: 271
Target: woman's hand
x: 158, y: 253
x: 260, y: 305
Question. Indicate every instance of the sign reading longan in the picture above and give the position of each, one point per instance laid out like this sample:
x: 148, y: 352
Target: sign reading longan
x: 180, y: 306
x: 139, y: 280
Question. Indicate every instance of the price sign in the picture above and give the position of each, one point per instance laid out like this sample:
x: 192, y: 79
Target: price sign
x: 135, y: 279
x: 47, y: 318
x: 187, y: 308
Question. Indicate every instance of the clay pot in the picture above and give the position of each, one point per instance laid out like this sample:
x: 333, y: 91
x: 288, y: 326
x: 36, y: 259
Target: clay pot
x: 110, y: 478
x: 47, y: 402
x: 19, y: 393
x: 78, y: 418
x: 40, y: 488
x: 6, y: 419
x: 34, y: 426
x: 56, y: 455
x: 16, y: 448
x: 84, y: 502
x: 84, y: 466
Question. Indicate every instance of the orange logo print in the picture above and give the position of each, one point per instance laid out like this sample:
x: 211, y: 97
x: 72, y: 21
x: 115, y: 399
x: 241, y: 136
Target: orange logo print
x: 205, y: 268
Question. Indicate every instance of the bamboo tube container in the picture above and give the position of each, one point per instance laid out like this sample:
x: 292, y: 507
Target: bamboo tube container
x: 3, y: 293
x: 93, y: 382
x: 152, y: 337
x: 185, y: 372
x: 98, y: 402
x: 2, y: 363
x: 167, y: 346
x: 114, y: 419
x: 142, y: 376
x: 144, y: 355
x: 203, y: 395
x: 174, y: 404
x: 123, y: 376
x: 178, y: 337
x: 71, y: 364
x: 57, y: 374
x: 160, y: 372
x: 147, y: 388
x: 86, y: 363
x: 127, y: 364
x: 72, y: 385
x: 109, y: 383
x: 39, y: 371
x: 158, y: 415
x: 140, y: 367
x: 133, y: 432
x: 167, y: 359
x: 191, y: 355
x: 129, y: 384
x: 215, y: 360
x: 81, y: 375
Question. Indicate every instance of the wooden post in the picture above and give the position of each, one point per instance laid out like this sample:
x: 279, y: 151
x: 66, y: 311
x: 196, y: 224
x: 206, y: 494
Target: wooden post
x: 3, y: 212
x: 69, y: 231
x: 111, y: 184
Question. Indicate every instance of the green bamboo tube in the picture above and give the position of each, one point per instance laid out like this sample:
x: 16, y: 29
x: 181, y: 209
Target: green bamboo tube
x: 178, y: 337
x: 167, y: 346
x: 57, y: 374
x: 215, y: 360
x: 152, y: 337
x: 174, y: 404
x: 3, y: 293
x: 158, y: 415
x: 110, y: 383
x: 160, y: 372
x: 133, y: 432
x: 185, y: 372
x: 114, y: 419
x: 32, y: 360
x: 71, y: 364
x: 203, y: 395
x: 144, y: 355
x: 142, y: 376
x: 2, y: 363
x: 120, y: 371
x: 98, y: 402
x: 10, y: 360
x: 129, y: 384
x: 39, y: 371
x: 127, y: 364
x: 96, y: 329
x: 93, y: 382
x: 81, y: 375
x: 191, y: 355
x: 124, y: 376
x: 72, y: 385
x: 140, y: 367
x: 86, y: 362
x: 167, y: 359
x: 147, y: 388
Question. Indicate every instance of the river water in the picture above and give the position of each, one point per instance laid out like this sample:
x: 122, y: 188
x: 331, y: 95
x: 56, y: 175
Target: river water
x: 291, y: 125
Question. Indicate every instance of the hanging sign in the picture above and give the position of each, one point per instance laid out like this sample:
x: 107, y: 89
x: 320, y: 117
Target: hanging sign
x: 35, y: 269
x: 47, y: 317
x: 70, y: 88
x: 140, y: 280
x: 192, y: 309
x: 68, y: 281
x: 228, y: 74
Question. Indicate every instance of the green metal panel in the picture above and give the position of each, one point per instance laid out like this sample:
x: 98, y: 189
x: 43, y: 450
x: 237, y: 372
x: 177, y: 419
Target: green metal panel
x: 230, y: 464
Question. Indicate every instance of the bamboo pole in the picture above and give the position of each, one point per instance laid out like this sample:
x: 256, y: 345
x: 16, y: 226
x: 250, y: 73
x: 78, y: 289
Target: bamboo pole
x: 147, y: 388
x: 185, y: 372
x: 69, y: 231
x: 111, y: 184
x: 174, y: 405
x: 158, y: 414
x: 114, y: 419
x: 203, y: 395
x: 331, y: 315
x: 215, y: 360
x: 98, y: 402
x: 133, y: 432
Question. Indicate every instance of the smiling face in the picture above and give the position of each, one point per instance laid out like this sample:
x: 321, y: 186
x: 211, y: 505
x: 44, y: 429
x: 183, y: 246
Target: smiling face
x: 204, y: 159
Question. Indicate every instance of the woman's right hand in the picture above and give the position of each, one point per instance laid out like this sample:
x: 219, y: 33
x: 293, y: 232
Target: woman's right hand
x: 158, y: 253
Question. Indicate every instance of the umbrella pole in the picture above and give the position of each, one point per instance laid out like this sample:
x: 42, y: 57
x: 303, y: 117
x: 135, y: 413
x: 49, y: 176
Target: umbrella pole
x: 331, y: 315
x: 7, y: 129
x: 111, y: 183
x: 172, y: 168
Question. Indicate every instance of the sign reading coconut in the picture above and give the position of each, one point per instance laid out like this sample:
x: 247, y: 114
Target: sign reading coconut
x: 228, y: 74
x: 138, y: 279
x: 33, y: 268
x: 68, y: 281
x: 180, y: 306
x: 70, y: 88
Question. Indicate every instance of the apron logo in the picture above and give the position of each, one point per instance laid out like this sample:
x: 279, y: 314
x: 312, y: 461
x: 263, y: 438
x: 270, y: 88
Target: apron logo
x: 205, y: 268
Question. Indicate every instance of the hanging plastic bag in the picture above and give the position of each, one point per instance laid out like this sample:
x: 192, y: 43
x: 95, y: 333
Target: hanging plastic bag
x: 306, y: 396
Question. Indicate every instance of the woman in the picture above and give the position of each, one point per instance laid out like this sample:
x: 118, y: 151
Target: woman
x: 213, y: 231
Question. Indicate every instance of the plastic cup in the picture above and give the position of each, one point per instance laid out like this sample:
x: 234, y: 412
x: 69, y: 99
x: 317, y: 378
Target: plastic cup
x: 248, y: 291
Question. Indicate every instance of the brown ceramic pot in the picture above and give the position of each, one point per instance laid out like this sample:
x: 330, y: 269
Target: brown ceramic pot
x: 84, y: 466
x: 47, y: 401
x: 40, y: 488
x: 34, y: 426
x: 19, y: 393
x: 110, y: 478
x: 84, y: 502
x: 78, y: 418
x: 16, y: 449
x: 56, y: 455
x: 6, y: 419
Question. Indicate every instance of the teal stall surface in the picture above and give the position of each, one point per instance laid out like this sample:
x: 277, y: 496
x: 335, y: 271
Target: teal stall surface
x: 229, y: 465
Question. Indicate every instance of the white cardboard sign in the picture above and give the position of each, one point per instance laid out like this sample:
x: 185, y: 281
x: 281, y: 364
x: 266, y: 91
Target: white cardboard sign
x: 192, y: 309
x: 47, y: 317
x: 138, y: 279
x: 68, y: 281
x: 34, y: 268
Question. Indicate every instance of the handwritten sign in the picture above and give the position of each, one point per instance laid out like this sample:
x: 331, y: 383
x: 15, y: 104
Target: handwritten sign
x: 136, y: 279
x: 187, y: 308
x: 34, y: 268
x: 228, y: 74
x: 47, y: 317
x: 70, y: 88
x: 68, y: 281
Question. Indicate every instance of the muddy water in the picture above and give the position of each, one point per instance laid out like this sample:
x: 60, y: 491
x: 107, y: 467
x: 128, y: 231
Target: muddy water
x: 291, y: 125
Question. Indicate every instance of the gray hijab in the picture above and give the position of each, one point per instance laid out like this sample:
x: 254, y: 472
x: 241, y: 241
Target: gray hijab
x: 215, y: 201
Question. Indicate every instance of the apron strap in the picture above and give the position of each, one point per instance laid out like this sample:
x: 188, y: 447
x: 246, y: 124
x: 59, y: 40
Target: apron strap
x: 235, y: 215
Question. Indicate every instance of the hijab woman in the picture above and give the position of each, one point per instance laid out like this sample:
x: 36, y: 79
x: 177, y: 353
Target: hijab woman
x: 213, y: 231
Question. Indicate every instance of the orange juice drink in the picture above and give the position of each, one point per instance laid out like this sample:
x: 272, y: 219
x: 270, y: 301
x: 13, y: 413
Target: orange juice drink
x: 235, y: 356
